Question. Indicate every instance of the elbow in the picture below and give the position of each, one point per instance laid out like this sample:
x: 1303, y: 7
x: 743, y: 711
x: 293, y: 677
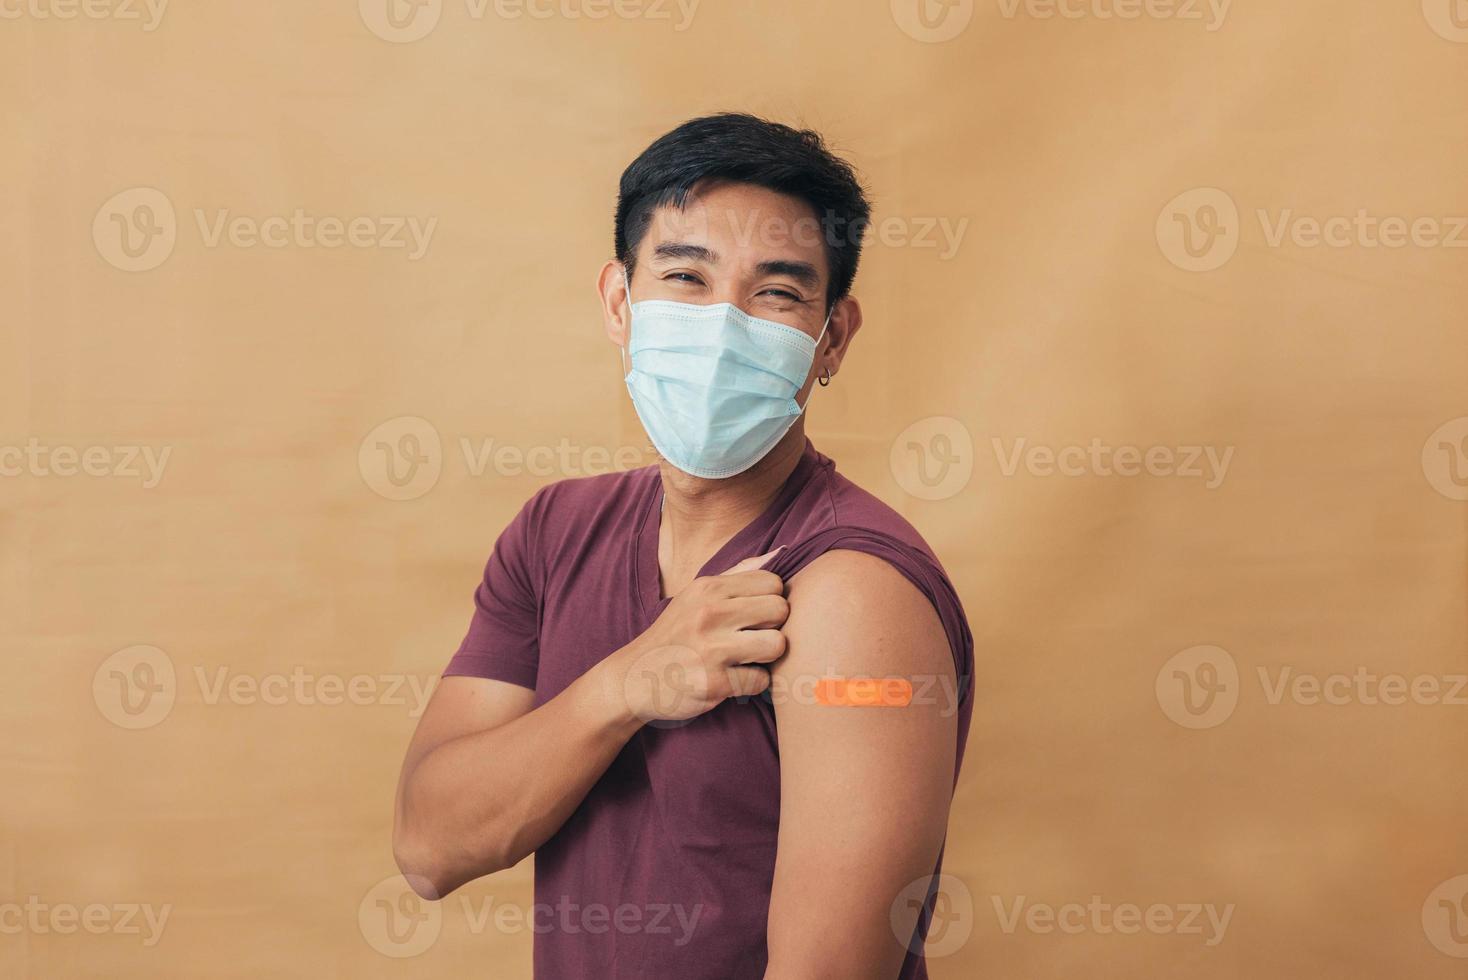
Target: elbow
x: 415, y: 860
x: 430, y: 868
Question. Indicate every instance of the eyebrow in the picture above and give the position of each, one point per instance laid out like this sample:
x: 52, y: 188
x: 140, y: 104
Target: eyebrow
x: 684, y: 250
x: 802, y: 272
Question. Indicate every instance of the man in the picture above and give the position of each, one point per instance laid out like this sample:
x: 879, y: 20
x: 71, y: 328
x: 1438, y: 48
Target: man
x: 659, y: 694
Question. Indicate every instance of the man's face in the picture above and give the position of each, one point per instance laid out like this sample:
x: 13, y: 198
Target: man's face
x: 735, y: 243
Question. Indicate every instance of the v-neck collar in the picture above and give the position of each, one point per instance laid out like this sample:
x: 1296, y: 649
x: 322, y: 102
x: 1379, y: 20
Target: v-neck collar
x: 645, y: 573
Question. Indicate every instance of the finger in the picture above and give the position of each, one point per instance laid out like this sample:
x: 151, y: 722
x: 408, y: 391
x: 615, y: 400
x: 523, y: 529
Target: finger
x: 749, y: 583
x: 755, y: 647
x: 756, y: 612
x: 748, y: 681
x: 750, y: 564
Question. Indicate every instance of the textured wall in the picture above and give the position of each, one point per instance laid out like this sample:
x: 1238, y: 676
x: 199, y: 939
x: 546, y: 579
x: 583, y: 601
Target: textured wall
x: 1108, y: 250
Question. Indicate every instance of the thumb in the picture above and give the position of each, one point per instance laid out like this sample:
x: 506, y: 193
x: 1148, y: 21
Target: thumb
x: 755, y: 563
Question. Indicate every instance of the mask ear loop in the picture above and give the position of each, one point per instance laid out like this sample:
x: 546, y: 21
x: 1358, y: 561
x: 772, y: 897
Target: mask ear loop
x: 627, y: 287
x: 825, y: 376
x: 819, y: 337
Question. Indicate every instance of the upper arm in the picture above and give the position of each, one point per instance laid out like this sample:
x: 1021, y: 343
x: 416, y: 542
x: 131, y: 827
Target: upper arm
x: 462, y: 706
x: 492, y: 675
x: 864, y: 791
x: 490, y: 679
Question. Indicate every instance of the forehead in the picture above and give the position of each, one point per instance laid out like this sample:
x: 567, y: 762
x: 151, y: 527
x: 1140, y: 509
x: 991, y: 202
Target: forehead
x: 743, y: 223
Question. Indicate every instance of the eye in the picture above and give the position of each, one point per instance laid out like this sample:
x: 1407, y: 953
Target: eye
x: 685, y: 277
x: 779, y: 299
x: 782, y: 294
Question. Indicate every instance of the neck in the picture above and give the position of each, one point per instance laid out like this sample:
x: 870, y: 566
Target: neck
x: 700, y: 516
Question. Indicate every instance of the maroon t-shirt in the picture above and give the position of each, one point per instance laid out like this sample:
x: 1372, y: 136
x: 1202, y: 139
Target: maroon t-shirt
x: 664, y: 871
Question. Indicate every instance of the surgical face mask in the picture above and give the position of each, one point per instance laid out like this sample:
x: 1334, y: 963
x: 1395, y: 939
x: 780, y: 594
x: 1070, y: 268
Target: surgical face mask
x: 715, y: 387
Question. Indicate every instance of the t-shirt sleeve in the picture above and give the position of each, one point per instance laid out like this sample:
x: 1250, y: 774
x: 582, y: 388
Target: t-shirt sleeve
x: 503, y: 641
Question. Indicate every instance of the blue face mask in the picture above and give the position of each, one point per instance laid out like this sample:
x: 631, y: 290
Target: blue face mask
x: 715, y: 387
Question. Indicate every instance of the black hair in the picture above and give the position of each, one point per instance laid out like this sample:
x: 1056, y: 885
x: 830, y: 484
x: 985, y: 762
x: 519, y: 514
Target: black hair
x: 746, y: 149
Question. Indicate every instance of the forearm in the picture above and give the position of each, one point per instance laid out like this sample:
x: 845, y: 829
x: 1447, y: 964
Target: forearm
x: 483, y: 801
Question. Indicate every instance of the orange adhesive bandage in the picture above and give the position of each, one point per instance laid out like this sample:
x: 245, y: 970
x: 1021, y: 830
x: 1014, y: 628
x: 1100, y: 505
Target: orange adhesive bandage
x: 869, y: 692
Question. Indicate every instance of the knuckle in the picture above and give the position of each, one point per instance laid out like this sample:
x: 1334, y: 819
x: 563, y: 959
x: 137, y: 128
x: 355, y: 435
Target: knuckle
x: 705, y: 616
x: 721, y: 685
x: 718, y: 651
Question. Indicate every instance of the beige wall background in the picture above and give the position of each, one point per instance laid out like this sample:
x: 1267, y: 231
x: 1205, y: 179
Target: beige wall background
x: 212, y: 663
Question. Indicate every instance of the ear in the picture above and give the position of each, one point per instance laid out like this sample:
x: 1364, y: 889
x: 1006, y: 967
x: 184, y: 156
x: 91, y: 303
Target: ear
x: 845, y: 322
x: 616, y: 310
